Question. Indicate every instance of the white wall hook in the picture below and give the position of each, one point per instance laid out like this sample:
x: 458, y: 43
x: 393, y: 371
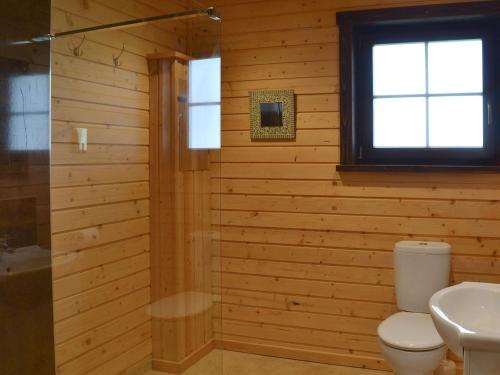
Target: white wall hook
x: 82, y: 134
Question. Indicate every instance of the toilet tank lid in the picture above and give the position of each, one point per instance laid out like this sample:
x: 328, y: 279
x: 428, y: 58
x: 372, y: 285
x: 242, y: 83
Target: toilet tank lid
x: 422, y: 247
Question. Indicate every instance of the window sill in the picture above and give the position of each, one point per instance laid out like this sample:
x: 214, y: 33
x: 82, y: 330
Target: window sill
x: 416, y: 168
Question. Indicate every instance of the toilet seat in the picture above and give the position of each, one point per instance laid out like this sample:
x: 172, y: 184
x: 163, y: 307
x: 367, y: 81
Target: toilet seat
x: 410, y: 332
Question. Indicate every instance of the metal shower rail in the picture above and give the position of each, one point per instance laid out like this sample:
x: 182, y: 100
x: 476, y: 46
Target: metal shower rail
x: 210, y: 12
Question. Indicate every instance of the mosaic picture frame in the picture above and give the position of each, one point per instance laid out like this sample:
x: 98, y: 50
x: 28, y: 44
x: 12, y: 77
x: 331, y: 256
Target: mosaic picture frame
x: 272, y: 114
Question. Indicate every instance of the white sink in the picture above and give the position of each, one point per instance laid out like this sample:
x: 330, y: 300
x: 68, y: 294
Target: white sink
x: 467, y: 316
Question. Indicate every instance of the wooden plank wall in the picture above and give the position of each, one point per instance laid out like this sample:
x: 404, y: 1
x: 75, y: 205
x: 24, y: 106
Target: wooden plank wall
x: 100, y: 198
x: 306, y: 252
x: 181, y: 233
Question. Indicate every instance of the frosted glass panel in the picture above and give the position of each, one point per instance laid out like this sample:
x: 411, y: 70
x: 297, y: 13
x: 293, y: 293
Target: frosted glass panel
x: 205, y: 80
x: 456, y: 67
x: 205, y: 127
x: 456, y: 121
x: 399, y: 69
x: 399, y: 122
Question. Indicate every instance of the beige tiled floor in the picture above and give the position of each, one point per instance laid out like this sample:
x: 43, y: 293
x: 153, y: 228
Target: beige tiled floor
x: 232, y: 363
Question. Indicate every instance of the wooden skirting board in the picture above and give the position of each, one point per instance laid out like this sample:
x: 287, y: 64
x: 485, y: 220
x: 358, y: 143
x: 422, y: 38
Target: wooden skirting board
x: 305, y: 355
x: 180, y: 367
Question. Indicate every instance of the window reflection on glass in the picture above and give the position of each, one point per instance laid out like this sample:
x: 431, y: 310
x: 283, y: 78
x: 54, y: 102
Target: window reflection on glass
x: 204, y: 127
x: 26, y: 111
x: 205, y: 103
x: 428, y: 95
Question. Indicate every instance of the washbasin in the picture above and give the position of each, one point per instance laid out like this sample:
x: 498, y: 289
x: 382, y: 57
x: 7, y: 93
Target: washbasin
x: 467, y: 316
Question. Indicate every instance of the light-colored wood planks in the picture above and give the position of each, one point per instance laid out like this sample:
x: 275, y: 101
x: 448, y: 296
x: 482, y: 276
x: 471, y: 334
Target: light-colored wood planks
x: 100, y: 198
x: 305, y: 261
x: 181, y: 235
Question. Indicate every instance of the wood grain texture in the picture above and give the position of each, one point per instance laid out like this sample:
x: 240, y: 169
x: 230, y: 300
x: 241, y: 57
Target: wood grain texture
x: 306, y: 265
x: 100, y: 198
x: 181, y: 236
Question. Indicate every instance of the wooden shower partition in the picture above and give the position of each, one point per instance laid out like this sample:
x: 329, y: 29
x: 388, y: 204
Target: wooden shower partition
x: 181, y: 235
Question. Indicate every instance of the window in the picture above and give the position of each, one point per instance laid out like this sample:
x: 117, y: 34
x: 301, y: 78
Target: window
x: 419, y: 85
x: 205, y: 103
x: 428, y: 94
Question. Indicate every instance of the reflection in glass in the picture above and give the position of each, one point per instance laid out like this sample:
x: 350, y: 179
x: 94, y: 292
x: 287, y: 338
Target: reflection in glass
x: 26, y: 111
x: 204, y: 103
x: 456, y: 121
x: 271, y: 115
x: 26, y: 308
x: 205, y: 80
x: 399, y: 122
x: 399, y: 69
x: 204, y: 127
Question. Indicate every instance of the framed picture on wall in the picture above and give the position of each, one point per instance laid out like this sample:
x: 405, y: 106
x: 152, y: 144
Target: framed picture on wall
x: 272, y: 114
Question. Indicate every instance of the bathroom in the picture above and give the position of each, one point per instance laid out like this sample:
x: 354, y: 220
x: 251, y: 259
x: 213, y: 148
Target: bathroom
x: 191, y: 188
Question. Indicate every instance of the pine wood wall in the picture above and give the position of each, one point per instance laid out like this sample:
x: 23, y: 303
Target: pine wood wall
x: 100, y: 198
x: 307, y: 252
x: 181, y: 227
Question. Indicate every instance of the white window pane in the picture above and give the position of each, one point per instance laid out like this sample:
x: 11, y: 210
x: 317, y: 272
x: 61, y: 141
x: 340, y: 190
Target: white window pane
x: 205, y: 81
x: 399, y: 69
x: 399, y: 122
x: 204, y: 127
x: 456, y: 67
x: 456, y: 121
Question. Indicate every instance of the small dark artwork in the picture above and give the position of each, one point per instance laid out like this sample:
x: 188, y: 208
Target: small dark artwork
x: 271, y: 115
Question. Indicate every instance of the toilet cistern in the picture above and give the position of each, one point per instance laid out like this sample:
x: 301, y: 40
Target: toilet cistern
x: 408, y: 339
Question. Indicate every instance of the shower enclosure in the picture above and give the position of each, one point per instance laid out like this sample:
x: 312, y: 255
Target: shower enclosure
x: 26, y: 327
x: 125, y: 278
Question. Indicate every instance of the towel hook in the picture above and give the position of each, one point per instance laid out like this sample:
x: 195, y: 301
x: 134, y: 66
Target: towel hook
x: 77, y: 51
x: 116, y: 59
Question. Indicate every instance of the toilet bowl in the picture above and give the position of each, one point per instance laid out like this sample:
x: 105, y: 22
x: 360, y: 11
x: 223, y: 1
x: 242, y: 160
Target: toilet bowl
x: 408, y: 339
x: 411, y: 344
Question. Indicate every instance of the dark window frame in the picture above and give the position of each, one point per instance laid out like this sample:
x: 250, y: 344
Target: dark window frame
x: 361, y: 29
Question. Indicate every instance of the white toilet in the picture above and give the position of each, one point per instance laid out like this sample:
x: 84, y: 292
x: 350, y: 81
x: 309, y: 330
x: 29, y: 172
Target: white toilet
x: 409, y: 340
